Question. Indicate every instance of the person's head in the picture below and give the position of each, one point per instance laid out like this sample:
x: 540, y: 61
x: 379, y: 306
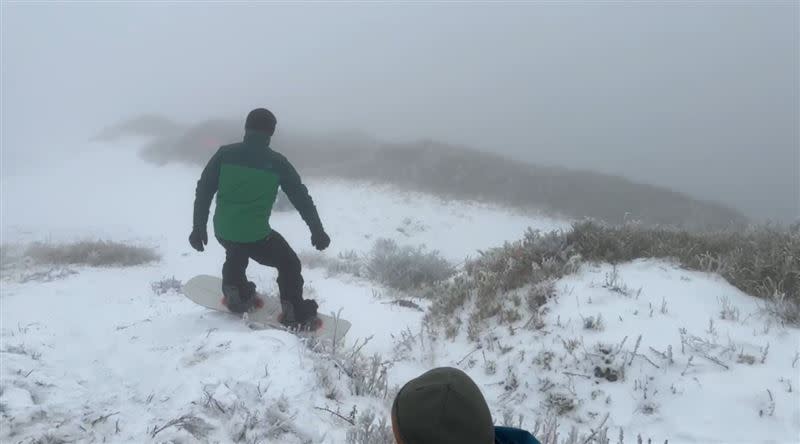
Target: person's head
x: 442, y: 406
x: 261, y: 120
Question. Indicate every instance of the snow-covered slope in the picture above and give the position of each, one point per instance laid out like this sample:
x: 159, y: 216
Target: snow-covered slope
x: 98, y: 356
x: 667, y: 353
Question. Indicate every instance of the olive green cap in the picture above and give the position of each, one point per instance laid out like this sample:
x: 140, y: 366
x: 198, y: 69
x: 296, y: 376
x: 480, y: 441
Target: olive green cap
x: 443, y: 406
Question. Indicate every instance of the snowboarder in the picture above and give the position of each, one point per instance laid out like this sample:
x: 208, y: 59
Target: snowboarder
x: 245, y: 177
x: 444, y: 406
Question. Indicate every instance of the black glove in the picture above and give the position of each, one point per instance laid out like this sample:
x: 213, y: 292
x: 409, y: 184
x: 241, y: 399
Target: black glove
x: 320, y: 240
x: 198, y: 238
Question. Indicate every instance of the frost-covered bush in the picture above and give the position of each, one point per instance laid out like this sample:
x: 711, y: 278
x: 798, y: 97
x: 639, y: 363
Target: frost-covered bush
x: 784, y: 308
x: 363, y: 375
x: 347, y: 262
x: 369, y: 430
x: 402, y: 268
x: 368, y: 376
x: 167, y: 285
x: 489, y: 282
x: 98, y: 253
x: 406, y: 268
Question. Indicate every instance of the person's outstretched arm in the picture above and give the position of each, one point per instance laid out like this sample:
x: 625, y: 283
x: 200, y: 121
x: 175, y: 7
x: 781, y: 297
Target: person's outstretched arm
x: 204, y: 194
x: 298, y: 195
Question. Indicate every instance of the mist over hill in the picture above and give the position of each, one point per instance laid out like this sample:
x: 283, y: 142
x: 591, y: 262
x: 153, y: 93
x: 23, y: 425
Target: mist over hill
x: 443, y: 169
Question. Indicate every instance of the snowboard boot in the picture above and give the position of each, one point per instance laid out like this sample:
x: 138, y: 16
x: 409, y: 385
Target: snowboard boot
x: 301, y: 316
x: 239, y: 301
x: 255, y: 300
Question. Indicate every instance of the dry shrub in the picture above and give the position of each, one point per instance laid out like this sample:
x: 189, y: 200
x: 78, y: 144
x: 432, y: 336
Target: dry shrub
x: 98, y: 253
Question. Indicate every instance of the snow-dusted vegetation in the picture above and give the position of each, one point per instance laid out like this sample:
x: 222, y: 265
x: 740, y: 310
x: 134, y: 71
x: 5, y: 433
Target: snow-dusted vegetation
x: 579, y: 332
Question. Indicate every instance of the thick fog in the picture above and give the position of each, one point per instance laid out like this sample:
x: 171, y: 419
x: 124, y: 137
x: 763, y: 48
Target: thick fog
x: 701, y: 98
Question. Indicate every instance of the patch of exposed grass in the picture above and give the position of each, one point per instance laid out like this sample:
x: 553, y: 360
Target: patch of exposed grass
x: 98, y: 253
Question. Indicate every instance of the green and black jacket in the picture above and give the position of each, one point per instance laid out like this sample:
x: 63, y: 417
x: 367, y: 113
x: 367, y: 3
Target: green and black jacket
x: 246, y: 176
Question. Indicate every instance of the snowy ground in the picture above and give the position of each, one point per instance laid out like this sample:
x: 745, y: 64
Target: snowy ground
x: 98, y: 355
x: 675, y: 355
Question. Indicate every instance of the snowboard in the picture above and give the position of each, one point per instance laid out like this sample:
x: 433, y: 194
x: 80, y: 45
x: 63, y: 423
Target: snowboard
x: 206, y: 290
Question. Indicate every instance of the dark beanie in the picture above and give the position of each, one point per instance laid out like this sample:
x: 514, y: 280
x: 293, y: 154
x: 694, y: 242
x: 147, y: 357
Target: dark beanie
x: 443, y: 406
x: 261, y: 119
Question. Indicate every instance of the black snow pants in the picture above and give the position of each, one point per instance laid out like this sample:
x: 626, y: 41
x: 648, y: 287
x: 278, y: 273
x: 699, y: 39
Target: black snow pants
x: 272, y: 251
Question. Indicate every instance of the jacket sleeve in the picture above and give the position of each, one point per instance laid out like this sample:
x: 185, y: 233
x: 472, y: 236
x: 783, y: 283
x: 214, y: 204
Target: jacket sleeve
x: 204, y: 193
x: 297, y: 192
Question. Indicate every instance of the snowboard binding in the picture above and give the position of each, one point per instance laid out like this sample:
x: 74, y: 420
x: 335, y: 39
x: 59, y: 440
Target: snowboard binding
x: 300, y: 317
x: 241, y: 302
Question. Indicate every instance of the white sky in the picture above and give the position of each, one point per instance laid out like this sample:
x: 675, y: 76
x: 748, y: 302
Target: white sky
x: 701, y: 97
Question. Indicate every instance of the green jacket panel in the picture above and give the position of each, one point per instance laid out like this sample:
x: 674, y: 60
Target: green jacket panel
x: 245, y: 177
x: 245, y: 197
